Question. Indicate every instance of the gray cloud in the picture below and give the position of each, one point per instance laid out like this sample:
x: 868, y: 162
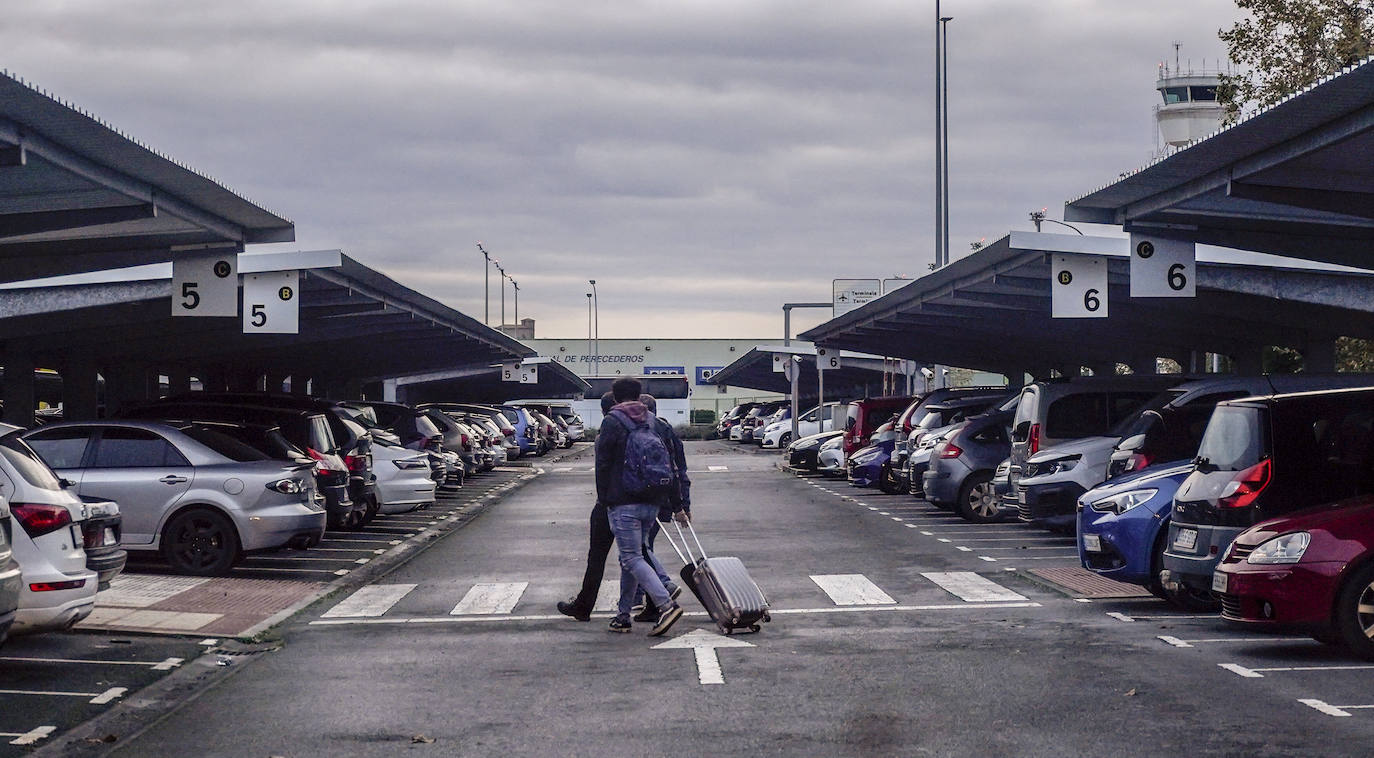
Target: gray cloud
x: 704, y: 161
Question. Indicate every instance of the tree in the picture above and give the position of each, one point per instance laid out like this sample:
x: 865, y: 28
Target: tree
x: 1285, y: 45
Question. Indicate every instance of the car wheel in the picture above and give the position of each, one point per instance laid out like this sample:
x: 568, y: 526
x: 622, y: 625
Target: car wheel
x: 1355, y: 612
x: 200, y: 542
x: 785, y: 440
x: 887, y: 481
x: 978, y: 500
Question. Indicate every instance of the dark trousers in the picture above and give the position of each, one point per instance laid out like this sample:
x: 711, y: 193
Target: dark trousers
x: 602, y: 540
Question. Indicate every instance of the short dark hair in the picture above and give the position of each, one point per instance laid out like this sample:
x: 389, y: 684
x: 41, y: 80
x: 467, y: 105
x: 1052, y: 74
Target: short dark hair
x: 626, y: 389
x: 649, y: 402
x: 607, y: 403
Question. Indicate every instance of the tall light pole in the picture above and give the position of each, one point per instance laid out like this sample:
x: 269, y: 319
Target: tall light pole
x: 590, y: 351
x: 944, y: 135
x: 596, y: 338
x: 502, y: 281
x: 486, y: 287
x: 516, y: 287
x: 939, y: 139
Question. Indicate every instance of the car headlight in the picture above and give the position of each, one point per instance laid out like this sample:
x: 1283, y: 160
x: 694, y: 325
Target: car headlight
x: 806, y: 444
x: 863, y: 458
x: 1055, y: 466
x: 1124, y: 502
x: 1286, y: 549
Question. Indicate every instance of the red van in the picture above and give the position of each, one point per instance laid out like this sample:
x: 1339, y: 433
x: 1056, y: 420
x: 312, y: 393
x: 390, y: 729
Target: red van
x: 866, y: 415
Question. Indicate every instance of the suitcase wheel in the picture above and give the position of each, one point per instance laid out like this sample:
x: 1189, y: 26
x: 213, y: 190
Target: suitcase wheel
x: 755, y: 628
x: 725, y: 630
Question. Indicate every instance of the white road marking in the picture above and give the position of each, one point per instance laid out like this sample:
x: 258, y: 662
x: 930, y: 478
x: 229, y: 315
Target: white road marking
x: 1255, y: 673
x: 928, y: 534
x: 943, y: 539
x: 373, y: 600
x: 1328, y: 709
x: 884, y: 513
x: 608, y: 597
x: 109, y: 695
x: 562, y: 469
x: 29, y: 737
x: 1123, y: 617
x: 391, y: 620
x: 1176, y: 642
x: 163, y: 665
x: 969, y: 586
x: 490, y: 598
x: 98, y: 698
x: 851, y: 589
x: 895, y: 518
x: 209, y: 641
x: 703, y: 645
x: 990, y: 559
x: 911, y: 526
x: 961, y: 548
x: 717, y: 468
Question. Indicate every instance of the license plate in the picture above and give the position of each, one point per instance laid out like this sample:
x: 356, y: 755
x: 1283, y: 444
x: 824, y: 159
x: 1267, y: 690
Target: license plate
x: 110, y: 538
x: 1218, y: 582
x: 1021, y: 497
x: 1186, y: 539
x: 1092, y: 543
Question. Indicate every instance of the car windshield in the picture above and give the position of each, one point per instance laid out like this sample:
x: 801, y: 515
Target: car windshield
x: 1235, y: 438
x: 1155, y: 403
x: 27, y: 464
x: 223, y: 444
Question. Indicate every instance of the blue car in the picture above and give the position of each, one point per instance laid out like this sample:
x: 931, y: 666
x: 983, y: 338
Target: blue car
x: 1122, y: 525
x: 867, y: 465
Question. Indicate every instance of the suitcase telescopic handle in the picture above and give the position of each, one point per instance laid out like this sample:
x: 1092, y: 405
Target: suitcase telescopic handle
x: 691, y: 530
x: 677, y: 549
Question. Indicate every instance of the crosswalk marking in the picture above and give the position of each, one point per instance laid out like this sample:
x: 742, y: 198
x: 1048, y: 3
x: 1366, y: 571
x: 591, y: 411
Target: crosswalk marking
x: 717, y: 468
x: 966, y: 585
x: 490, y: 598
x: 608, y: 596
x: 373, y: 600
x: 851, y: 589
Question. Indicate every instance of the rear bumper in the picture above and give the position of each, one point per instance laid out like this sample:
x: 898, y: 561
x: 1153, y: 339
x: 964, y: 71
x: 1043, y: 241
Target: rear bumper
x: 282, y: 526
x: 940, y: 483
x: 57, y: 609
x: 1051, y: 503
x: 107, y: 563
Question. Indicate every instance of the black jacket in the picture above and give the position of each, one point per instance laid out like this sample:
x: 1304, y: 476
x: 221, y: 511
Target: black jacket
x: 610, y: 460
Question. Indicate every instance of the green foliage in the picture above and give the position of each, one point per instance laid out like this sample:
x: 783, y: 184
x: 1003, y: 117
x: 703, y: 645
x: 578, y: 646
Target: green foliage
x: 1285, y: 45
x: 1354, y: 355
x: 703, y: 416
x: 1281, y: 360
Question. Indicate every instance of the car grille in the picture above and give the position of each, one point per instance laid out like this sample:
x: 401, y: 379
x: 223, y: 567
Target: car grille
x: 1023, y: 511
x: 1230, y: 607
x: 1239, y: 553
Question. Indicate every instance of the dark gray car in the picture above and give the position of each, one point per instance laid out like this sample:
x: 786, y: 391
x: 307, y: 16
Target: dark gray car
x: 959, y: 475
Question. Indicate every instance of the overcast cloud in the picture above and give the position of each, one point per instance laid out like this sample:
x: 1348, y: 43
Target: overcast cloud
x: 703, y: 161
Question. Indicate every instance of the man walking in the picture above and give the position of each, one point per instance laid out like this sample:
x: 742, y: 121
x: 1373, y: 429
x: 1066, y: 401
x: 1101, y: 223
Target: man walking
x: 634, y: 478
x: 681, y: 495
x: 580, y: 607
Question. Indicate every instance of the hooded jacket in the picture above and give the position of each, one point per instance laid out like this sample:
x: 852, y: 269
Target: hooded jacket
x: 610, y: 457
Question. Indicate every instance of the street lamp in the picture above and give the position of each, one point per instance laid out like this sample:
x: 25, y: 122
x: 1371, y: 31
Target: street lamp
x: 503, y: 291
x: 516, y: 287
x: 1038, y: 217
x: 486, y: 286
x: 590, y: 351
x: 596, y: 321
x: 944, y: 132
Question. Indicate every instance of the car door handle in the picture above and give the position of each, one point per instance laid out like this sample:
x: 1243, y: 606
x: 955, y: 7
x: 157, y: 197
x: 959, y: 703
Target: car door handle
x: 172, y: 479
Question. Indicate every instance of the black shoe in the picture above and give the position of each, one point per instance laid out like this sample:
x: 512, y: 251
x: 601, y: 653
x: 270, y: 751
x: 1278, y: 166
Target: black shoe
x: 570, y: 608
x: 665, y: 621
x: 619, y: 624
x: 649, y: 615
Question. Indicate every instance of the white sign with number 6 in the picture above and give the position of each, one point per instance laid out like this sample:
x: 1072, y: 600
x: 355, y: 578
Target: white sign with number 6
x: 271, y: 303
x: 1078, y: 286
x: 205, y: 285
x: 827, y: 359
x: 1162, y: 267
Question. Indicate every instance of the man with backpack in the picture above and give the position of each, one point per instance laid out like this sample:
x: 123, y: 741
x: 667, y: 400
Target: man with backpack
x: 635, y: 477
x: 680, y: 496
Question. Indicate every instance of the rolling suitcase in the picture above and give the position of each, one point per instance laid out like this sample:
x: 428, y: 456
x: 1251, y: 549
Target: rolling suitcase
x: 722, y: 585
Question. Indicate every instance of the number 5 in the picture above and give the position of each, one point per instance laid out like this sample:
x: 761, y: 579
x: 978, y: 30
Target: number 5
x: 259, y: 314
x: 189, y: 294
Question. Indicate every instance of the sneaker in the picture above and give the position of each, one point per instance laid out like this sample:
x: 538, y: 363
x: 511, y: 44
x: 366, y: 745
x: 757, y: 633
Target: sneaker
x: 619, y: 624
x: 571, y: 608
x: 666, y: 620
x: 638, y: 607
x: 648, y: 614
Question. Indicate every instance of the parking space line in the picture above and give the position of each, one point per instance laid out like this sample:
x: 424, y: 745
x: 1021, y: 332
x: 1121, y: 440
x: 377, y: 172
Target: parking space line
x: 98, y: 698
x: 490, y: 598
x: 1062, y: 540
x: 1041, y: 547
x: 163, y: 665
x: 29, y: 737
x: 970, y: 587
x: 1258, y: 673
x: 1119, y: 616
x: 1176, y: 642
x: 851, y: 589
x: 372, y: 600
x: 717, y: 468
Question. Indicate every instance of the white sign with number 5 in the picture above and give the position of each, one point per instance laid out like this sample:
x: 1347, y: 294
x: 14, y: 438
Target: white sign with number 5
x: 1162, y: 267
x: 205, y: 285
x: 1078, y: 286
x: 271, y: 303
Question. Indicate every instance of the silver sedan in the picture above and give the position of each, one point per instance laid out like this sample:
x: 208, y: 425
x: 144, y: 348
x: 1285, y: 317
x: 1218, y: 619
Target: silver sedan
x: 196, y: 495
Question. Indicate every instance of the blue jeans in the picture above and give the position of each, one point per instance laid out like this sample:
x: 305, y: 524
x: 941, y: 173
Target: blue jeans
x: 631, y: 525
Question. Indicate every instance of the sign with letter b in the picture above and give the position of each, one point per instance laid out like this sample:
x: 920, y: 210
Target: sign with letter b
x: 1078, y: 286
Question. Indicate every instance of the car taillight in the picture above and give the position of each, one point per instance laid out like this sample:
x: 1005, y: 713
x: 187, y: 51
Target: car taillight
x: 467, y: 444
x: 356, y: 463
x: 1033, y: 442
x: 39, y: 519
x: 951, y: 451
x: 50, y: 586
x: 1136, y: 462
x: 286, y: 486
x: 321, y: 465
x: 1247, y: 486
x: 508, y: 432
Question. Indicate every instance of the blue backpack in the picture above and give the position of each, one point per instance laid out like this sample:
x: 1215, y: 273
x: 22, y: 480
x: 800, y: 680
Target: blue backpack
x: 648, y: 470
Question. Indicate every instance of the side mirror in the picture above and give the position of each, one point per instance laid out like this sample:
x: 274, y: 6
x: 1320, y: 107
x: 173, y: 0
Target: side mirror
x: 66, y: 483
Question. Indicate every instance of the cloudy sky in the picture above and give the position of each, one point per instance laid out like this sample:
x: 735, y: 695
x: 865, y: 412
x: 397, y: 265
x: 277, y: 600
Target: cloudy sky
x: 704, y: 161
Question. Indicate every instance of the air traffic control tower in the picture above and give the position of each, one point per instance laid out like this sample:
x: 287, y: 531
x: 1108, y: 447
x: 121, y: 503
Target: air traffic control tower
x: 1190, y: 110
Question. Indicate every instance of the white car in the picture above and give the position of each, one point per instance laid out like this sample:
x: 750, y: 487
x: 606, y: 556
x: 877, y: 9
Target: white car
x: 778, y: 434
x: 404, y: 478
x: 58, y: 590
x: 830, y: 460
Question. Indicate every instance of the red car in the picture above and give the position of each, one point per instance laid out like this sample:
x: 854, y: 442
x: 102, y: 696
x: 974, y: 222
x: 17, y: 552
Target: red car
x: 1311, y: 570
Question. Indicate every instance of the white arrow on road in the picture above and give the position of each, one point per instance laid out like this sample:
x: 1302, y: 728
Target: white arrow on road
x: 704, y: 644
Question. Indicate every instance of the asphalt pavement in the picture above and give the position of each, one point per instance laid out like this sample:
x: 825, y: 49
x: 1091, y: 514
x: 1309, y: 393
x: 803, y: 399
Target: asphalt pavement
x: 884, y: 640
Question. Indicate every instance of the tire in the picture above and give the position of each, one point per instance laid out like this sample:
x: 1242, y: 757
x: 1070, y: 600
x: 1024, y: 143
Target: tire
x: 1355, y: 612
x: 784, y: 440
x: 373, y: 508
x: 978, y: 500
x: 887, y: 481
x: 200, y: 542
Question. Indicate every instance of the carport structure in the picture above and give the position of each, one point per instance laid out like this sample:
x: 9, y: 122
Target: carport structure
x: 991, y: 311
x: 357, y: 327
x: 858, y: 375
x: 76, y: 195
x: 482, y: 384
x: 1295, y: 179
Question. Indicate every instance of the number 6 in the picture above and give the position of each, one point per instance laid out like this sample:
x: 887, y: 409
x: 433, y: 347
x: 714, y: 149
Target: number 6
x: 1090, y: 300
x: 1177, y: 281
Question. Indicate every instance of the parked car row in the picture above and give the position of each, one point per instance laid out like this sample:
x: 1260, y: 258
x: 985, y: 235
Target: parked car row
x: 1252, y: 495
x: 204, y: 478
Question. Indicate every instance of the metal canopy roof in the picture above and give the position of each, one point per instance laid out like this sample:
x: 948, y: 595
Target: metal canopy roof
x: 355, y: 324
x: 1295, y: 179
x: 991, y: 310
x: 859, y: 375
x: 482, y: 384
x: 76, y: 195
